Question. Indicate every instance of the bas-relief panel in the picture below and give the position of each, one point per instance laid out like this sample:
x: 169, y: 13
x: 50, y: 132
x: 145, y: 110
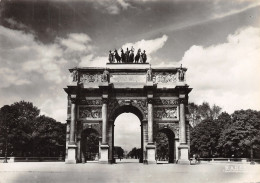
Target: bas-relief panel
x: 86, y: 112
x: 164, y: 77
x: 165, y: 113
x: 90, y: 78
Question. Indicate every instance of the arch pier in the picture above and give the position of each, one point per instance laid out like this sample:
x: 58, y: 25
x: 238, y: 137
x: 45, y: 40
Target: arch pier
x: 158, y: 96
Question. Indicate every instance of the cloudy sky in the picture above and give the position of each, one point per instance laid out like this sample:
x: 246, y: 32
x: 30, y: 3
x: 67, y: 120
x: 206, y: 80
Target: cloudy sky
x: 217, y: 40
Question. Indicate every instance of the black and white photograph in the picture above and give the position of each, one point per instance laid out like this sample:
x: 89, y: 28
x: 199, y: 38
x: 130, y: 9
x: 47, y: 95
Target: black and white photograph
x: 130, y: 91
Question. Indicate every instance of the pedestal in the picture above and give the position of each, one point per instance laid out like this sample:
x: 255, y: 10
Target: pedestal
x: 150, y: 148
x: 103, y: 154
x: 183, y: 154
x: 71, y: 154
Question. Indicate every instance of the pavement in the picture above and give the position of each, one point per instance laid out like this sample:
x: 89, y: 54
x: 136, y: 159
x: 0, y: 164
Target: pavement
x: 127, y: 171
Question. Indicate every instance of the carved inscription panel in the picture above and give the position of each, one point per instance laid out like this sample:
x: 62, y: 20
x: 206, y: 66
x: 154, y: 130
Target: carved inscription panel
x: 117, y: 77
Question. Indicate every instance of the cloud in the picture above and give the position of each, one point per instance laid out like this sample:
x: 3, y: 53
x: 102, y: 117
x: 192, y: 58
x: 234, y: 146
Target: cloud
x: 150, y: 46
x: 111, y: 6
x: 227, y: 74
x: 37, y: 72
x: 222, y: 12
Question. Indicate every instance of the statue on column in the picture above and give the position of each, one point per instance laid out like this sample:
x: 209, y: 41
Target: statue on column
x: 74, y: 75
x: 123, y: 56
x: 111, y: 57
x: 149, y: 74
x: 137, y: 57
x: 181, y: 73
x: 118, y: 58
x: 105, y: 76
x: 131, y: 56
x: 144, y: 57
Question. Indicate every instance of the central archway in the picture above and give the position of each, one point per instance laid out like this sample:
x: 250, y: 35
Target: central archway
x: 127, y: 138
x: 111, y: 140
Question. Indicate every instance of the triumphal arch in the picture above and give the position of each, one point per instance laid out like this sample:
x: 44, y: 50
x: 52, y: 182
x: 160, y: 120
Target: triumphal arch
x: 158, y: 96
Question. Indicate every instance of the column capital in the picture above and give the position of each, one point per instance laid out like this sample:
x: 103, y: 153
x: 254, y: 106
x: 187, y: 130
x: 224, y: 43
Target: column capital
x: 150, y: 100
x: 182, y: 100
x: 73, y: 99
x: 104, y: 100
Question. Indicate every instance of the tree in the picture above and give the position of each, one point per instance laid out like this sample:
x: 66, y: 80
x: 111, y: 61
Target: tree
x: 7, y: 123
x: 135, y: 153
x: 197, y: 113
x: 241, y: 137
x: 204, y: 138
x: 28, y: 133
x: 194, y: 116
x: 118, y: 152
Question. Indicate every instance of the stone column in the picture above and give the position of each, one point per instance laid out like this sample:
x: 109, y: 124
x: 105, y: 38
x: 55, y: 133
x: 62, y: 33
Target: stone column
x: 183, y: 147
x: 182, y: 122
x: 72, y: 145
x: 150, y: 148
x: 104, y: 122
x: 150, y: 121
x: 104, y: 145
x: 72, y: 122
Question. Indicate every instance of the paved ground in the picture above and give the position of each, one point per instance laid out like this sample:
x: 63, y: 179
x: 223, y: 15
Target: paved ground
x: 129, y: 171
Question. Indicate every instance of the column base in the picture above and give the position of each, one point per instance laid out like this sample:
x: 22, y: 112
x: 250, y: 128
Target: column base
x: 71, y: 159
x: 150, y: 148
x: 183, y: 154
x: 104, y: 154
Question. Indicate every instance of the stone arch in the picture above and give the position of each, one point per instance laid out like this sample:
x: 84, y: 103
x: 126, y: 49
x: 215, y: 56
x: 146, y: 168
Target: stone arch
x: 118, y: 110
x: 137, y: 107
x: 171, y: 143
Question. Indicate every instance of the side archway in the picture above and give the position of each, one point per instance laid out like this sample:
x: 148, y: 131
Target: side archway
x: 165, y: 145
x: 90, y: 145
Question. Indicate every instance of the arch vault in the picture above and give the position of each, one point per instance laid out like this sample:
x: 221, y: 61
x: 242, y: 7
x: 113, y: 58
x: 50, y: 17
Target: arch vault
x: 157, y: 96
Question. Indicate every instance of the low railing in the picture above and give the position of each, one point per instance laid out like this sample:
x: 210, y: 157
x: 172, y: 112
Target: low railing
x: 224, y: 160
x: 33, y: 159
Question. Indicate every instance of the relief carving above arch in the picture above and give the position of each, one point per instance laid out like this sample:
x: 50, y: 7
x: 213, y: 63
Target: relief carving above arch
x: 96, y: 126
x: 174, y: 127
x: 141, y: 104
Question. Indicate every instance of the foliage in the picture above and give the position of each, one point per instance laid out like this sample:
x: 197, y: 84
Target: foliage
x: 28, y: 133
x: 241, y: 135
x: 118, y: 152
x: 204, y: 138
x: 162, y: 146
x: 201, y: 112
x: 135, y: 153
x: 228, y: 135
x: 91, y: 147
